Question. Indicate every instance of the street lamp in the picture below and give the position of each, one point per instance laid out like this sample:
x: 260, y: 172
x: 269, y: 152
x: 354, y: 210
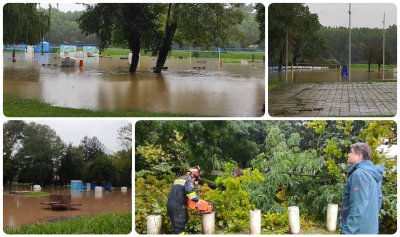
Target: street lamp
x: 383, y: 66
x: 287, y: 54
x: 349, y: 39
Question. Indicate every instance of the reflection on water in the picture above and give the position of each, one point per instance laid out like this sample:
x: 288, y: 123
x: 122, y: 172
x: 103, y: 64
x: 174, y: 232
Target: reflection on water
x: 19, y: 209
x: 106, y: 84
x: 329, y: 76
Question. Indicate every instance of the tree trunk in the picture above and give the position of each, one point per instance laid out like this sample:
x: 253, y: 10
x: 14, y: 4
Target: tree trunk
x: 369, y: 66
x: 134, y: 45
x: 170, y: 29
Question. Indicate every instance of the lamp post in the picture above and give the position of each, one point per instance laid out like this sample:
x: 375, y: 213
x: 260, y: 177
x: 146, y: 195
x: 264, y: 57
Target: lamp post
x: 349, y: 39
x: 383, y: 65
x: 287, y: 53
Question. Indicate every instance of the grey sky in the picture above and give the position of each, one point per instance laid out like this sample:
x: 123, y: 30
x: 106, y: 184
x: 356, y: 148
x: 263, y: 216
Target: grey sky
x: 64, y: 7
x: 362, y: 14
x: 74, y: 130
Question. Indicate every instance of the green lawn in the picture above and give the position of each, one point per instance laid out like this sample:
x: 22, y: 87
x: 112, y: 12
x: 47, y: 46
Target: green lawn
x: 374, y: 67
x: 17, y: 107
x: 228, y: 57
x: 274, y: 84
x: 110, y: 223
x: 37, y: 194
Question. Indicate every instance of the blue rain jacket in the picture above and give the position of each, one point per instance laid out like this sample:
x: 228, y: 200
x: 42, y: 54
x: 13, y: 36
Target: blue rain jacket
x: 362, y: 199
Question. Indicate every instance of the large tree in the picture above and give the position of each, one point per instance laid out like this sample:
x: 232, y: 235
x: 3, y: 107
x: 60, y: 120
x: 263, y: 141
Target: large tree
x: 293, y: 23
x: 23, y: 23
x: 39, y: 154
x: 211, y: 24
x: 92, y: 148
x: 260, y: 18
x: 12, y: 137
x: 71, y: 164
x: 119, y: 22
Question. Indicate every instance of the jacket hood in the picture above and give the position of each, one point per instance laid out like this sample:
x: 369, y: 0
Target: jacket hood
x: 375, y: 170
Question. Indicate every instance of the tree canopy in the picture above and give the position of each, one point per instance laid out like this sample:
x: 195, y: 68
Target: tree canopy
x: 23, y: 23
x: 34, y: 153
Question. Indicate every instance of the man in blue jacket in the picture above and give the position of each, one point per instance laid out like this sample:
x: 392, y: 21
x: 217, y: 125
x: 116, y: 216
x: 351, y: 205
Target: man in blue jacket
x: 362, y: 197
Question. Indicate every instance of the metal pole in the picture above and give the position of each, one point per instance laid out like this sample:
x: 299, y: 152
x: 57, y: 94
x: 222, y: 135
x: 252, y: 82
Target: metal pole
x: 349, y: 39
x: 383, y: 67
x: 287, y: 56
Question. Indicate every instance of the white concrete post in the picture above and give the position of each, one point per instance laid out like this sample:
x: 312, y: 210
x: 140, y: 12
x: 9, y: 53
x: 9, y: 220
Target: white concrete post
x: 331, y: 217
x: 154, y: 224
x: 255, y: 222
x: 87, y: 186
x: 294, y: 219
x: 37, y: 188
x: 209, y: 223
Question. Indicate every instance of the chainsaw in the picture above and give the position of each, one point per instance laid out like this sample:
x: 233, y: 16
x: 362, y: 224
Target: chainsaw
x: 201, y: 207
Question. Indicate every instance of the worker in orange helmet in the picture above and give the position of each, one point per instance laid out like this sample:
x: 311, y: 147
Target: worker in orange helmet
x: 182, y: 190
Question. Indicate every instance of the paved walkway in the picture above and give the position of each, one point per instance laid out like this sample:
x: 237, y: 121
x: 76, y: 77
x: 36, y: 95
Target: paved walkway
x: 334, y: 99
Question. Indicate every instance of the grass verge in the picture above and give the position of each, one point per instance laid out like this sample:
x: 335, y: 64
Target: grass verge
x: 274, y: 84
x: 18, y: 107
x: 110, y: 223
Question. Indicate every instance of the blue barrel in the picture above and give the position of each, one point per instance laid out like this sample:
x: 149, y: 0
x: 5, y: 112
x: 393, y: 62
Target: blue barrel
x: 344, y: 70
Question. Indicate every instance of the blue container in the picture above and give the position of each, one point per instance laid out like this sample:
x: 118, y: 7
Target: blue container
x: 344, y: 70
x: 46, y: 47
x: 77, y: 184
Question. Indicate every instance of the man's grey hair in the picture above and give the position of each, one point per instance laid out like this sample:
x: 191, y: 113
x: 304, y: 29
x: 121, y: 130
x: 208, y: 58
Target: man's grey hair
x: 362, y: 148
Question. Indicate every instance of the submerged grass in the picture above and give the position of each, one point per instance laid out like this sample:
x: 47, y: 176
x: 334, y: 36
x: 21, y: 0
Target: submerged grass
x: 110, y: 223
x: 18, y: 107
x: 36, y: 194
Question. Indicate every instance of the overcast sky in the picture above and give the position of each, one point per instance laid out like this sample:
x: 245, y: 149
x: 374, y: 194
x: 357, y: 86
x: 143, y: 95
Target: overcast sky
x: 74, y: 131
x: 362, y: 14
x: 64, y: 7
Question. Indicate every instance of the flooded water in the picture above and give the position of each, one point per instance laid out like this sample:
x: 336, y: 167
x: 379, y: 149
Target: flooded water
x: 330, y: 75
x: 20, y: 209
x: 106, y: 84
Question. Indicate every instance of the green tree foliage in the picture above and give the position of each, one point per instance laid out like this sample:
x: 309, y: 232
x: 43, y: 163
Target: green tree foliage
x: 197, y: 24
x: 301, y: 163
x: 64, y: 28
x: 92, y: 147
x: 71, y: 164
x: 260, y: 18
x: 366, y: 45
x: 232, y: 199
x: 33, y: 153
x: 295, y: 21
x: 121, y: 22
x: 12, y: 135
x: 40, y: 150
x: 23, y: 23
x: 151, y: 196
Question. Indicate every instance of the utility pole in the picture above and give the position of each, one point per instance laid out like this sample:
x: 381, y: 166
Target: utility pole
x: 349, y: 39
x: 383, y: 66
x: 287, y: 56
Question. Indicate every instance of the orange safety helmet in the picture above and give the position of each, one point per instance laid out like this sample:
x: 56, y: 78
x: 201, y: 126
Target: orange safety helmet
x: 195, y: 172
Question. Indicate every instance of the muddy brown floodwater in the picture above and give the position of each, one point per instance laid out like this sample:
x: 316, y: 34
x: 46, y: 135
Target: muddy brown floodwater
x: 20, y: 210
x: 330, y: 75
x: 105, y: 84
